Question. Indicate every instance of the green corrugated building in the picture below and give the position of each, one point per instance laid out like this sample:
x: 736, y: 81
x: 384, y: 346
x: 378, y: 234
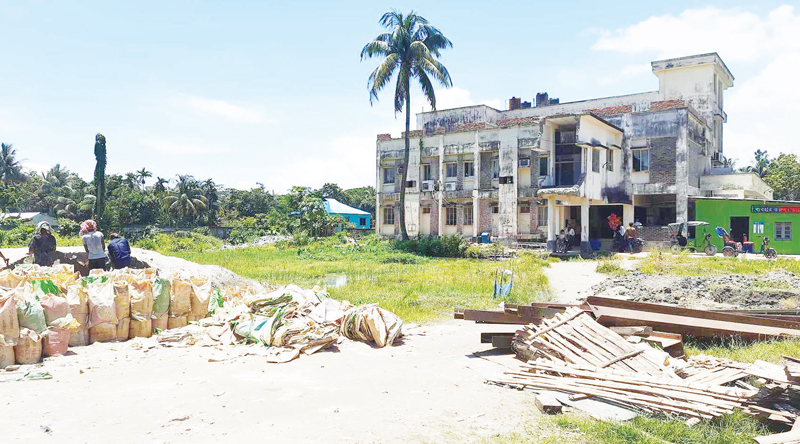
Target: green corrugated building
x: 753, y: 218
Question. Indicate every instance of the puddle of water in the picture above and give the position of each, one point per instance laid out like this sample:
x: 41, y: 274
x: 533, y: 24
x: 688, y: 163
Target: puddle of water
x: 335, y: 280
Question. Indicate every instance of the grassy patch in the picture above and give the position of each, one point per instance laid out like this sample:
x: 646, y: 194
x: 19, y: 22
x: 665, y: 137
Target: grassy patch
x: 683, y: 264
x: 417, y: 288
x: 733, y: 428
x: 610, y: 265
x: 745, y: 351
x: 187, y: 241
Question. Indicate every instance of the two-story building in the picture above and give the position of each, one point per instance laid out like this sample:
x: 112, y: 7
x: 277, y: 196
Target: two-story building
x: 537, y: 168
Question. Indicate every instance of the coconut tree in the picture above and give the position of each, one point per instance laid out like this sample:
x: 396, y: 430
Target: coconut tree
x: 410, y: 48
x: 186, y: 199
x: 161, y: 184
x: 210, y: 192
x: 10, y: 168
x: 761, y: 164
x: 100, y: 176
x: 142, y: 175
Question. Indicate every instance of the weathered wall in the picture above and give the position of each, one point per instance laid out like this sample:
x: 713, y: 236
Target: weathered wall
x: 662, y: 160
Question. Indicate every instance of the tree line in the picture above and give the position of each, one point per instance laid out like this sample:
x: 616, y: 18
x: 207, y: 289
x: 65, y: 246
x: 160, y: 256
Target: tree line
x: 782, y: 173
x: 139, y: 199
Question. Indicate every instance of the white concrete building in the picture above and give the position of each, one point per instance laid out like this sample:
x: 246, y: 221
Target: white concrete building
x: 532, y: 170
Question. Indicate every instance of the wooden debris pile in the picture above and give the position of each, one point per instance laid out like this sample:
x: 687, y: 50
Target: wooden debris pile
x: 572, y: 353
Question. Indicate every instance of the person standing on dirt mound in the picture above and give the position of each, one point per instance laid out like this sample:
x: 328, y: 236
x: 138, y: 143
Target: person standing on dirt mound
x: 43, y: 245
x: 94, y: 244
x: 119, y: 251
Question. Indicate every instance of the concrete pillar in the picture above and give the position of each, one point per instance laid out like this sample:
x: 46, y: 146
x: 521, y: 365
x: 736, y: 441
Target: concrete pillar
x: 551, y: 223
x: 627, y: 214
x: 682, y: 171
x: 439, y: 194
x: 476, y: 218
x: 585, y: 247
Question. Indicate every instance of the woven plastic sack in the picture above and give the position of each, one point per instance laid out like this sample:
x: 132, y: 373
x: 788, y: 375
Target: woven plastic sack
x: 55, y: 341
x: 122, y: 304
x: 10, y: 280
x: 80, y: 336
x: 105, y: 332
x: 160, y: 297
x: 200, y: 296
x: 160, y: 323
x: 141, y: 299
x: 177, y: 322
x: 180, y: 297
x: 101, y: 305
x: 6, y: 354
x: 29, y: 348
x: 140, y: 329
x: 31, y: 314
x: 78, y: 300
x: 54, y: 307
x: 9, y: 324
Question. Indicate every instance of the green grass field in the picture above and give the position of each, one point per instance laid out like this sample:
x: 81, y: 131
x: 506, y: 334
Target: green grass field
x: 418, y: 289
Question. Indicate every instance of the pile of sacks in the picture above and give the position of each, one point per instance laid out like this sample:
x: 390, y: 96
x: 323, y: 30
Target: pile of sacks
x: 291, y: 320
x: 45, y: 310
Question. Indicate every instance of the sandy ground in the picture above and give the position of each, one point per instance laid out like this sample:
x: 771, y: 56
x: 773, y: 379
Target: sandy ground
x: 572, y: 281
x: 429, y: 389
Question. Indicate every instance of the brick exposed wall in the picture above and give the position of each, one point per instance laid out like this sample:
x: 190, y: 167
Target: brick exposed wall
x: 662, y: 160
x: 654, y: 234
x: 486, y: 171
x: 484, y: 215
x: 435, y: 220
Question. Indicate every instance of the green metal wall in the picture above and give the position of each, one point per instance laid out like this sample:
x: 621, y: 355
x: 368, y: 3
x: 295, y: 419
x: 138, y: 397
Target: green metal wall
x: 718, y: 212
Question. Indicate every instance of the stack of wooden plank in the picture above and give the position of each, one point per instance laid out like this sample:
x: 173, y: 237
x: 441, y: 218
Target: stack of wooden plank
x: 571, y: 352
x: 792, y: 368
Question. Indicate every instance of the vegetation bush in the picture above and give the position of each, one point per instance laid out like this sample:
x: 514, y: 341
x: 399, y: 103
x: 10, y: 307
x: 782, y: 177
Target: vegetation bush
x: 434, y: 246
x: 171, y: 243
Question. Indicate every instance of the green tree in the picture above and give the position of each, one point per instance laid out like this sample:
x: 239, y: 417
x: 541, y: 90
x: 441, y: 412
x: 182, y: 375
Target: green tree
x: 784, y: 172
x: 142, y: 175
x: 100, y: 176
x: 10, y: 168
x: 186, y: 199
x: 410, y: 48
x: 362, y: 198
x: 211, y: 194
x: 761, y: 164
x: 161, y: 185
x: 332, y: 191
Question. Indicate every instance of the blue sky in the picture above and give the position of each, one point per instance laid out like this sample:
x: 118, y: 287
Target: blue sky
x: 250, y: 91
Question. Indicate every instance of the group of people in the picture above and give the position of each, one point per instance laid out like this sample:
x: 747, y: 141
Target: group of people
x: 43, y: 247
x: 627, y: 236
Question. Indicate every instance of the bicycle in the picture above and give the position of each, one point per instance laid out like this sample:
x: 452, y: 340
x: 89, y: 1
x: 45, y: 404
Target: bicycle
x: 769, y: 253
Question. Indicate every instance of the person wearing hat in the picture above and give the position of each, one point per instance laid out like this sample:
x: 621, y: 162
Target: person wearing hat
x: 43, y: 245
x: 94, y: 244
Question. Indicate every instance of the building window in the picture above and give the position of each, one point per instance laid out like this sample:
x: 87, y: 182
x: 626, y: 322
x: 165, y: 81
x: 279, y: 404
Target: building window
x: 426, y: 172
x: 543, y: 170
x: 609, y: 160
x: 495, y: 169
x: 388, y: 216
x: 783, y: 231
x: 362, y: 221
x: 452, y: 170
x: 451, y: 215
x: 542, y: 216
x: 495, y: 209
x: 525, y: 209
x: 641, y: 160
x: 469, y: 169
x: 388, y: 175
x: 595, y: 161
x: 426, y: 210
x: 467, y: 215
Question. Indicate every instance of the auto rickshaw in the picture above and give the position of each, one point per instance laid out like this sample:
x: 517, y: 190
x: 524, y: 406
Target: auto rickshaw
x: 681, y: 242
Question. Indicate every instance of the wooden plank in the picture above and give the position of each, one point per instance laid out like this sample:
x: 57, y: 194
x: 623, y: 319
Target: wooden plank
x: 790, y: 437
x: 620, y: 358
x: 569, y: 316
x: 633, y: 331
x: 547, y: 404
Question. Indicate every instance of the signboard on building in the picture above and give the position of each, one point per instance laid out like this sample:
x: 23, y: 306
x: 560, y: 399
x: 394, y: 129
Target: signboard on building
x: 774, y: 209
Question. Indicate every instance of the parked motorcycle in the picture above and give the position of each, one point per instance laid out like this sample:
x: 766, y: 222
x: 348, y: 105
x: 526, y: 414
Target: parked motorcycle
x: 768, y: 252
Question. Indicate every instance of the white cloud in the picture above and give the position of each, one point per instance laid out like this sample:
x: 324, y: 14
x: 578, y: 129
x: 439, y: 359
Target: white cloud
x: 181, y: 147
x: 761, y: 107
x: 226, y: 110
x: 456, y: 97
x: 735, y: 34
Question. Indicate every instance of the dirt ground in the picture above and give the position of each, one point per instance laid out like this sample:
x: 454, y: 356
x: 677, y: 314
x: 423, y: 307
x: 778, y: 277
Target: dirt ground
x: 428, y: 389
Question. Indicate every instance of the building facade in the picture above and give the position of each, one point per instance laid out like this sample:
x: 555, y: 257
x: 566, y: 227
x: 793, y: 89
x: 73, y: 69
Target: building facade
x: 537, y: 168
x: 356, y: 217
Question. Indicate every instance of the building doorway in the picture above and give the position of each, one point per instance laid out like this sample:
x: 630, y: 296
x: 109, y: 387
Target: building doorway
x: 740, y: 227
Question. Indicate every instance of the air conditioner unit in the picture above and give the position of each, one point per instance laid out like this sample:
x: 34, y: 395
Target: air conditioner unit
x: 450, y: 186
x: 427, y: 185
x: 524, y: 163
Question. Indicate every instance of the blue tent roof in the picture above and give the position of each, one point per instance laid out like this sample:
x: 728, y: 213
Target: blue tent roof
x: 333, y: 206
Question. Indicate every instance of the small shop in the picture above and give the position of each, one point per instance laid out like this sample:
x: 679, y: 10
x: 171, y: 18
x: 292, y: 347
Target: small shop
x: 749, y: 220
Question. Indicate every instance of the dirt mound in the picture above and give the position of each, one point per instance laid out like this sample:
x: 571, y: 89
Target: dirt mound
x: 167, y: 265
x: 777, y: 289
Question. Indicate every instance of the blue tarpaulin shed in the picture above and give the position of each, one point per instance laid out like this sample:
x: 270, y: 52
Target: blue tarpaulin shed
x: 359, y: 218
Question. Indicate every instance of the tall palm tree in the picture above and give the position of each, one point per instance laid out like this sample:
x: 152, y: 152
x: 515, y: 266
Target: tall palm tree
x: 186, y: 199
x: 131, y: 180
x: 211, y: 194
x: 161, y: 184
x: 142, y: 175
x: 10, y: 168
x: 410, y: 48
